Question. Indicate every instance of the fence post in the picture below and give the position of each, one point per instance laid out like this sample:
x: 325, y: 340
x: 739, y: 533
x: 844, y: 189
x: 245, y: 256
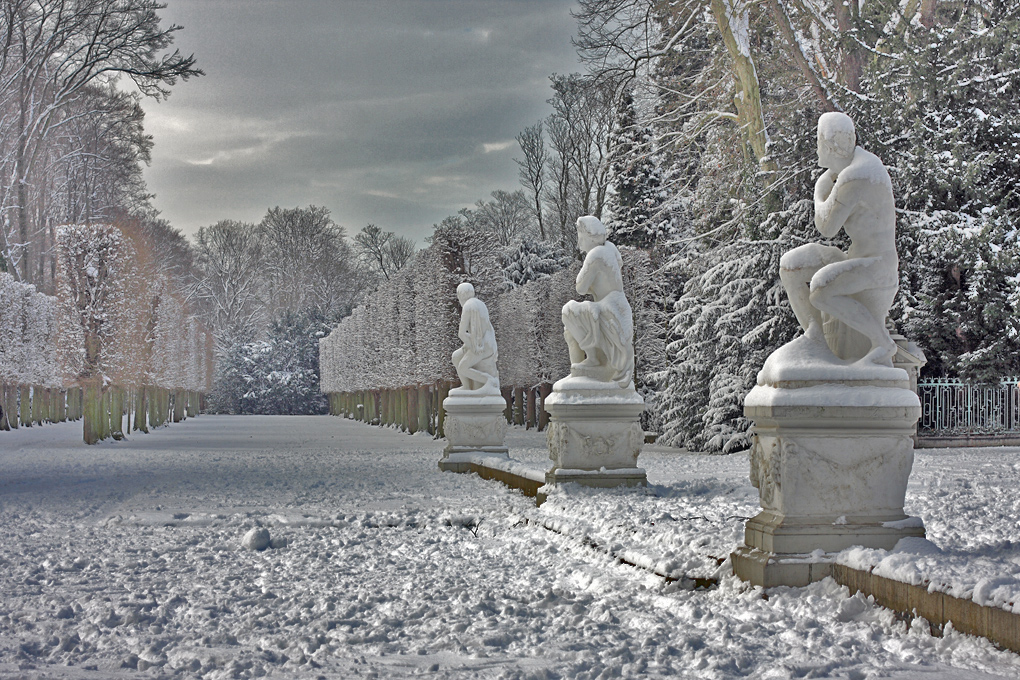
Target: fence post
x: 518, y: 405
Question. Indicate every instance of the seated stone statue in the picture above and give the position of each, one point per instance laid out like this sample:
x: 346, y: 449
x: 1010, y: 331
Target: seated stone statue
x: 600, y: 332
x: 855, y: 288
x: 476, y: 360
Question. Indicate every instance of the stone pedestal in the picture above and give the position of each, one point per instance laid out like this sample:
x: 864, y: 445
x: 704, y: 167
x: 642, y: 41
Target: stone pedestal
x: 594, y: 434
x: 831, y: 458
x: 473, y: 424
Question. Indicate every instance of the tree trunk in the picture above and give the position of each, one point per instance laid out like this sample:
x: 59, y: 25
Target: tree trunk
x: 141, y: 418
x: 518, y: 405
x: 38, y: 402
x: 412, y: 409
x: 444, y: 392
x: 93, y: 408
x: 116, y: 413
x: 545, y: 389
x: 3, y: 407
x: 178, y: 406
x: 104, y: 414
x: 508, y: 397
x: 25, y: 406
x: 428, y: 399
x: 423, y: 408
x: 529, y: 421
x: 748, y: 97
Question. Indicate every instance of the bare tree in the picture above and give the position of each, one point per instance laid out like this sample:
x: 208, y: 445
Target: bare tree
x: 51, y: 53
x: 230, y: 287
x: 370, y: 243
x: 532, y: 170
x: 385, y: 252
x: 584, y: 109
x: 399, y: 251
x: 508, y: 216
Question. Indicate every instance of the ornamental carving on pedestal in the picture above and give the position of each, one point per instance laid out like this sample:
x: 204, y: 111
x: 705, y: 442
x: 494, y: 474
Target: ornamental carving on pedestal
x: 461, y: 430
x: 765, y: 474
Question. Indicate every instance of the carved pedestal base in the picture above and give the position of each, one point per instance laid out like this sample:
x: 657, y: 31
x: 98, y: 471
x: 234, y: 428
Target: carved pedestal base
x: 473, y: 424
x: 594, y: 435
x: 831, y: 463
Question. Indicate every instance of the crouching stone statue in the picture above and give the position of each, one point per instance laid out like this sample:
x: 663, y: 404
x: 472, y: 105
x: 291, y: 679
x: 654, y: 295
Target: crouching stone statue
x: 595, y: 435
x: 474, y: 424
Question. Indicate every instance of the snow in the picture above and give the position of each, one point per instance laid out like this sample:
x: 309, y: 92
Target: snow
x: 803, y: 359
x: 970, y: 505
x: 832, y: 395
x: 128, y: 556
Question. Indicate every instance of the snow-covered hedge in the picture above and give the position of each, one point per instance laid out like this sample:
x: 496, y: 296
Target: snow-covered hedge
x: 27, y: 335
x: 120, y: 320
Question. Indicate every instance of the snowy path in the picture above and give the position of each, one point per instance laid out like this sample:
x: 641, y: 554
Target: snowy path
x: 124, y: 559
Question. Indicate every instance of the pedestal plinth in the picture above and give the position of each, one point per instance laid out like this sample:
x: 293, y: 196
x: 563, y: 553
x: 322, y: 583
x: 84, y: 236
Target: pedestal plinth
x: 831, y: 462
x: 473, y: 424
x: 595, y: 434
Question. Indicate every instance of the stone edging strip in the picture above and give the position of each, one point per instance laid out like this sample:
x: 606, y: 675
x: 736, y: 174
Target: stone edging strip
x: 995, y: 624
x: 528, y: 487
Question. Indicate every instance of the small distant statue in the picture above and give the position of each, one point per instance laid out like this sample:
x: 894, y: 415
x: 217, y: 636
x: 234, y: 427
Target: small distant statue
x: 476, y: 360
x: 855, y: 288
x: 600, y: 332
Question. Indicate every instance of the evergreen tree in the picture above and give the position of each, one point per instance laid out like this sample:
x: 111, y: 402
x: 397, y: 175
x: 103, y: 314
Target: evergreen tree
x: 530, y: 261
x: 732, y: 313
x: 279, y: 375
x: 637, y: 187
x: 943, y: 114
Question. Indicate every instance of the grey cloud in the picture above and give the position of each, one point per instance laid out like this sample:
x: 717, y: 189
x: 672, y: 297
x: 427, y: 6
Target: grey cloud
x: 379, y: 110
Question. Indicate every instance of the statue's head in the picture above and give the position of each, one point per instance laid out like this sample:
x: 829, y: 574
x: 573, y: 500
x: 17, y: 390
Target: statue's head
x: 465, y: 292
x: 837, y: 140
x: 590, y: 233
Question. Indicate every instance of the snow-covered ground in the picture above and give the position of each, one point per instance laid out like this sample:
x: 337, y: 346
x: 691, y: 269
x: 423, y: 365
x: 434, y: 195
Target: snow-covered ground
x: 125, y: 559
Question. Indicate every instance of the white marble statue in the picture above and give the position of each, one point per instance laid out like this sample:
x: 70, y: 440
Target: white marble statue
x: 600, y: 332
x: 476, y: 360
x: 855, y: 288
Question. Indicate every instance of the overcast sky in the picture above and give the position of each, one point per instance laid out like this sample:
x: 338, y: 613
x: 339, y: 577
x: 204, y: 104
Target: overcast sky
x: 392, y: 112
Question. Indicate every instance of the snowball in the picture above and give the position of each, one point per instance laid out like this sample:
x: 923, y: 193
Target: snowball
x: 256, y: 539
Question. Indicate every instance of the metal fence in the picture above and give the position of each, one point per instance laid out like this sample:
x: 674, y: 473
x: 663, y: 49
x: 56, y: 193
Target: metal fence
x: 951, y: 407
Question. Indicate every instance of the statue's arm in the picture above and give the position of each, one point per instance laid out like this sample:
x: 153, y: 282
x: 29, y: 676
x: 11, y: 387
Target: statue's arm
x: 833, y: 205
x: 586, y: 277
x: 473, y: 334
